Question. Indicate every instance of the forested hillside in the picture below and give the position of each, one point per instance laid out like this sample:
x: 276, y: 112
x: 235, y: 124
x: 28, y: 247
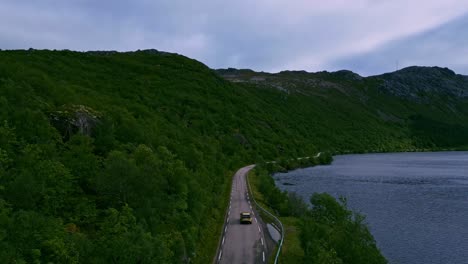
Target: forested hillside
x: 110, y: 157
x: 422, y: 108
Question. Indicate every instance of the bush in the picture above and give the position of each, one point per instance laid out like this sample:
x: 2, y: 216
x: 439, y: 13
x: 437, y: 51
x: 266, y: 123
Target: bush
x: 333, y: 234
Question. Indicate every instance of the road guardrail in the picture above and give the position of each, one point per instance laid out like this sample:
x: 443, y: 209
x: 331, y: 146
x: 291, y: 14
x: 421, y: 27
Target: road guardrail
x: 277, y: 222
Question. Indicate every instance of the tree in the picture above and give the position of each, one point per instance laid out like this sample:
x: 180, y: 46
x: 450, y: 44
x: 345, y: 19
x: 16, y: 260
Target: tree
x: 122, y: 240
x: 333, y: 234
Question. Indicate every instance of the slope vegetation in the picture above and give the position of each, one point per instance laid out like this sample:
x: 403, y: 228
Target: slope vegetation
x: 110, y: 157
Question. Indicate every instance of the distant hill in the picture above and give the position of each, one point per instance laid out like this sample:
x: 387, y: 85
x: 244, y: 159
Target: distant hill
x: 426, y: 102
x: 409, y: 83
x: 418, y: 83
x: 127, y: 157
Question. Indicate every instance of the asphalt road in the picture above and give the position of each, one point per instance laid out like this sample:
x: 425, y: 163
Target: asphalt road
x: 242, y: 244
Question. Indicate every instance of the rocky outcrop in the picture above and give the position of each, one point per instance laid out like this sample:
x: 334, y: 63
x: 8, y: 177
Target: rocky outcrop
x: 418, y: 83
x: 73, y: 119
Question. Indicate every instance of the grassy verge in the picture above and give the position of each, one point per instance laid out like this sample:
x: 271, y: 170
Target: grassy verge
x: 291, y: 251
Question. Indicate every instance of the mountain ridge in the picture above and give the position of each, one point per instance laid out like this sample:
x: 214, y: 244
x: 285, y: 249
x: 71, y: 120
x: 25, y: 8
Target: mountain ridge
x: 411, y: 82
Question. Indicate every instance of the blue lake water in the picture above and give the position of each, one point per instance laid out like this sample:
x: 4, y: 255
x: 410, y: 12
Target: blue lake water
x: 416, y: 204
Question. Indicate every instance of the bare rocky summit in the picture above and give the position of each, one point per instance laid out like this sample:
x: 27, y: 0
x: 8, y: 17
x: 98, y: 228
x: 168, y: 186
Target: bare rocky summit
x: 419, y: 82
x: 415, y: 83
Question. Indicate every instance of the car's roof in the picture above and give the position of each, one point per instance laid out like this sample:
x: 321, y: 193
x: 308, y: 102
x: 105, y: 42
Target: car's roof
x: 245, y: 213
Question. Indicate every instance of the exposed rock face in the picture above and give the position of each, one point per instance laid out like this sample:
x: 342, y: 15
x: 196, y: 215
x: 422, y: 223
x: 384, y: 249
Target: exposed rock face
x: 291, y: 81
x: 415, y: 83
x: 73, y: 119
x: 241, y: 138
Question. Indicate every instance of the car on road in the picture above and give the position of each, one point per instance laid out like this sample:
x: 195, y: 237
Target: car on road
x: 245, y: 218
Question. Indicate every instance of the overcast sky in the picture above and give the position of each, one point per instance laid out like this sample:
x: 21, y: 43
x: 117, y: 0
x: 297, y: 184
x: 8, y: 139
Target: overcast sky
x: 365, y: 36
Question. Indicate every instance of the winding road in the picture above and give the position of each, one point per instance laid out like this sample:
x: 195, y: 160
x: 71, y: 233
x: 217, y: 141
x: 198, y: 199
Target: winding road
x: 242, y: 244
x: 245, y: 244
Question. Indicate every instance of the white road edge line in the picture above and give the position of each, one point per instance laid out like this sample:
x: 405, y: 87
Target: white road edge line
x: 224, y: 237
x: 263, y: 253
x: 256, y: 220
x: 259, y: 229
x: 225, y: 229
x: 260, y: 239
x: 220, y: 253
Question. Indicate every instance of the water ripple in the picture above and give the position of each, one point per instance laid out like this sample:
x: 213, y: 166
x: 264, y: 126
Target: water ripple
x: 416, y: 203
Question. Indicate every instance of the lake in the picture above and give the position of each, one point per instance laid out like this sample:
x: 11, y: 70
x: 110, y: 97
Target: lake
x: 416, y: 204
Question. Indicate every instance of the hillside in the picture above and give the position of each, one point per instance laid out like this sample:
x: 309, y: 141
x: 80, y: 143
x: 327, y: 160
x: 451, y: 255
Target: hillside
x: 425, y: 107
x: 127, y: 157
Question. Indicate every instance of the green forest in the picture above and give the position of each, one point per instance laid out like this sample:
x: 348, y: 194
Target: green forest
x: 110, y: 157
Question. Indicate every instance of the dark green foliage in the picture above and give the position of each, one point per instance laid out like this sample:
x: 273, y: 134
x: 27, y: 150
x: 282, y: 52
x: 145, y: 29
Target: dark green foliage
x: 114, y: 157
x: 325, y: 158
x: 429, y: 133
x: 418, y: 108
x: 285, y: 204
x: 331, y: 233
x: 127, y: 157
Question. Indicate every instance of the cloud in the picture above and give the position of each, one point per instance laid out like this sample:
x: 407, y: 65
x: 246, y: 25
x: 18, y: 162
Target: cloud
x: 443, y: 46
x: 269, y: 35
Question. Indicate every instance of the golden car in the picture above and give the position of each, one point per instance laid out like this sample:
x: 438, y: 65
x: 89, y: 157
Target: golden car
x: 245, y: 218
